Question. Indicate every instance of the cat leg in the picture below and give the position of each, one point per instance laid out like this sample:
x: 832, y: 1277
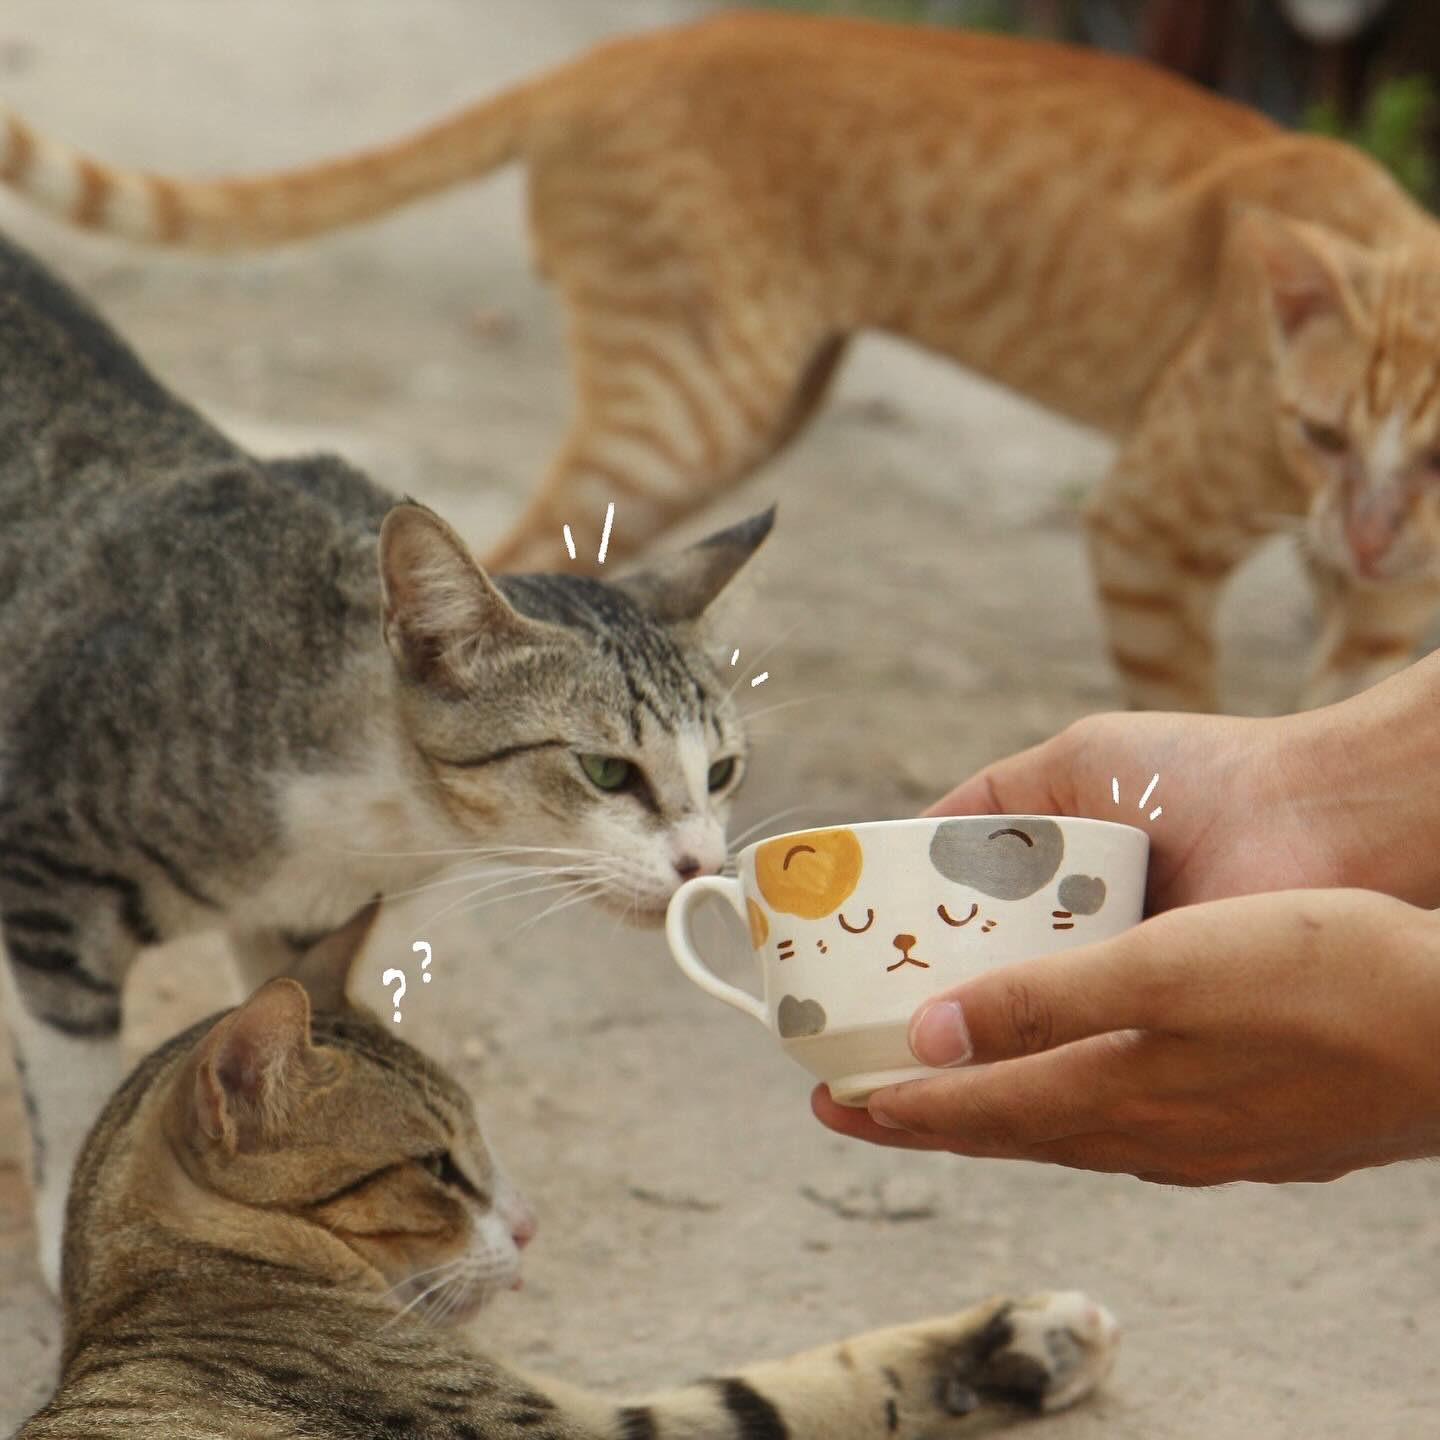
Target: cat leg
x: 66, y: 1036
x: 667, y: 420
x: 934, y: 1379
x: 1366, y: 632
x: 1160, y: 555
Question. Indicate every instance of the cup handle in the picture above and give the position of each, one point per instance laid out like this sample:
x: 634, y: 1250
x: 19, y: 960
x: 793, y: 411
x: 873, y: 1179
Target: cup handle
x: 677, y: 932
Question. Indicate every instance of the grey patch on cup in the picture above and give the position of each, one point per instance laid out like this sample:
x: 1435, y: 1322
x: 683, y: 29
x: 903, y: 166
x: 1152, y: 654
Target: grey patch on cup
x: 1006, y: 859
x: 799, y: 1017
x: 1082, y: 894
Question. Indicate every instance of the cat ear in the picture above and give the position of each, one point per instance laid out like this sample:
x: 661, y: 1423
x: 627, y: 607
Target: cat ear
x: 249, y: 1069
x: 324, y: 969
x: 681, y: 586
x: 439, y: 607
x: 1303, y: 269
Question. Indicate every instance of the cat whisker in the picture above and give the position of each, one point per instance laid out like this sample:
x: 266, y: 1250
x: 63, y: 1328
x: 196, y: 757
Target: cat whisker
x: 779, y: 640
x: 738, y: 841
x: 467, y: 909
x: 451, y: 1267
x: 749, y: 716
x: 587, y: 892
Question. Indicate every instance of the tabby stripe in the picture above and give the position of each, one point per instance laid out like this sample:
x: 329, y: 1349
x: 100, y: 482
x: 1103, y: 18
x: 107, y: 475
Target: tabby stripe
x: 1368, y: 647
x: 41, y: 922
x: 132, y: 909
x: 60, y: 962
x: 106, y: 1023
x: 892, y: 1414
x: 475, y: 762
x: 28, y: 878
x: 637, y: 1422
x: 95, y: 186
x: 1156, y: 670
x: 173, y: 873
x: 359, y: 1184
x: 755, y: 1417
x: 166, y: 209
x: 19, y: 150
x: 620, y: 353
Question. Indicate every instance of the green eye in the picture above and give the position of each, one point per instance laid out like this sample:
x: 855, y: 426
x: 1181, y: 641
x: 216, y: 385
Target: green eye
x: 607, y: 772
x: 721, y: 773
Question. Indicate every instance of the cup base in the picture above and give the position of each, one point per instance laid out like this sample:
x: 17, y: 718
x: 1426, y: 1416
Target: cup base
x: 855, y: 1090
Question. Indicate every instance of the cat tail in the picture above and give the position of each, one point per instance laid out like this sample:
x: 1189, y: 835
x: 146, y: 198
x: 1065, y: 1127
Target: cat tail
x: 269, y: 208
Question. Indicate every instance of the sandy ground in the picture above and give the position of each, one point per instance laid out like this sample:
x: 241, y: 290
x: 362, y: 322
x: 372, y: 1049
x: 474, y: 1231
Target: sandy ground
x: 928, y: 609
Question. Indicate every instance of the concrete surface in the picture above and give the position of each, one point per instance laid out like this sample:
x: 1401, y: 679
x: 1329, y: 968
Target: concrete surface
x: 928, y: 608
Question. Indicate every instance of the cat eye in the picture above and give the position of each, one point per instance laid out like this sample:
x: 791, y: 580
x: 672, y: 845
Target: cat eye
x: 1329, y: 438
x: 607, y: 772
x: 949, y: 919
x: 858, y: 929
x: 445, y: 1170
x: 721, y: 773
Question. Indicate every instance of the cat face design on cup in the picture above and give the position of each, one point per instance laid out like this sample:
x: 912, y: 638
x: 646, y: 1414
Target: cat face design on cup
x: 855, y: 926
x: 820, y: 875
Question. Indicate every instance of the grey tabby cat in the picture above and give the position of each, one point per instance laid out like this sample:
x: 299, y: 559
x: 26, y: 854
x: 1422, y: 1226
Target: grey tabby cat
x: 275, y: 1204
x: 201, y: 726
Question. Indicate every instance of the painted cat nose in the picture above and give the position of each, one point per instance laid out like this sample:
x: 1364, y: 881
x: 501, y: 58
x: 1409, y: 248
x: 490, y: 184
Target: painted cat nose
x: 687, y: 867
x: 904, y: 942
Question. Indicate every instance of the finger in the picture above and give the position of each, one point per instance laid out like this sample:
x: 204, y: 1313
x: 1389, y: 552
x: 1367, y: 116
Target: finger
x: 857, y: 1125
x: 1129, y: 982
x: 1009, y: 1108
x: 1024, y: 784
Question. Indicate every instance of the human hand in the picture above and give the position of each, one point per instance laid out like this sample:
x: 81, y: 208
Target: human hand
x: 1242, y: 798
x: 1273, y: 1037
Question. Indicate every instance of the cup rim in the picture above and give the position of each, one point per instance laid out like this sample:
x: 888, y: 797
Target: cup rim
x: 916, y: 820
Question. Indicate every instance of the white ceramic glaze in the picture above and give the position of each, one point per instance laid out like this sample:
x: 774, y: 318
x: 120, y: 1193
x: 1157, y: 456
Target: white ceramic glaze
x: 854, y: 926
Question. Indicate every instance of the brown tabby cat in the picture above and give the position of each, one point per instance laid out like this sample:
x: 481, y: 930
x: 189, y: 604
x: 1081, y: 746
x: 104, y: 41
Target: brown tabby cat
x: 1254, y: 315
x: 274, y: 1204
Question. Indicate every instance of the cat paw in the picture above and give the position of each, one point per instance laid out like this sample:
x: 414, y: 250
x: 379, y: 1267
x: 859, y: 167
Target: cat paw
x: 1044, y: 1352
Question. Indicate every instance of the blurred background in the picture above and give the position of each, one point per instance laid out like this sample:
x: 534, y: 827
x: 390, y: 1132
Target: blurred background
x: 1367, y: 70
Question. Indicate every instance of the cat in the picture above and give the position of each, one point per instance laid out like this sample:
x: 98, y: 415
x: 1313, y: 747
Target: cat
x: 280, y: 1207
x: 250, y: 695
x: 1253, y: 315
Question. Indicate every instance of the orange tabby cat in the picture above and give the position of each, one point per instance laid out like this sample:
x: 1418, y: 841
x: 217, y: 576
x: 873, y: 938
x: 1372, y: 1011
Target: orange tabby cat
x: 1254, y: 315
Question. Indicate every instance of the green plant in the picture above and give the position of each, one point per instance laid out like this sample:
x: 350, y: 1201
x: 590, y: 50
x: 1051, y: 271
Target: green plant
x: 1394, y: 129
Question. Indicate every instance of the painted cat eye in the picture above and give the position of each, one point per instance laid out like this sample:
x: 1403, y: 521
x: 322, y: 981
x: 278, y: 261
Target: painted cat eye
x: 721, y: 773
x: 858, y: 929
x: 1329, y: 438
x: 949, y: 919
x: 607, y: 772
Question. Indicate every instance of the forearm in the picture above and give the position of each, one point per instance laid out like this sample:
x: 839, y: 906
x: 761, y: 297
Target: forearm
x: 1369, y: 770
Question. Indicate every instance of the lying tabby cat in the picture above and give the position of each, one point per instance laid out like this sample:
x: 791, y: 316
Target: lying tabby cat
x: 272, y: 1205
x: 1254, y: 315
x: 202, y: 728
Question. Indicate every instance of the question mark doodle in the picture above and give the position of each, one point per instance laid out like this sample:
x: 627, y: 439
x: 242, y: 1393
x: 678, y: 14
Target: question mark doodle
x: 399, y: 995
x: 417, y: 947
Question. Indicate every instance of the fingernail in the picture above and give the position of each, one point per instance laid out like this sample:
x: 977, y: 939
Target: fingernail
x: 881, y: 1118
x: 939, y: 1036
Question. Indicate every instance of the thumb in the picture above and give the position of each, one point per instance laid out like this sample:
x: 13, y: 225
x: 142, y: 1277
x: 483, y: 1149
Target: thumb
x: 1034, y: 1005
x: 1030, y: 783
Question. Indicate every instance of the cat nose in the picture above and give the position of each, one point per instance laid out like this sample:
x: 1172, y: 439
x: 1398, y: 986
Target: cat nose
x: 687, y: 867
x: 904, y: 942
x: 523, y: 1231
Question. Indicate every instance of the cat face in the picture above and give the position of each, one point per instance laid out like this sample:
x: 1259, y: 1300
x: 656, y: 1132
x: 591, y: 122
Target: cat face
x: 582, y: 718
x: 978, y: 867
x: 330, y: 1127
x: 1358, y: 362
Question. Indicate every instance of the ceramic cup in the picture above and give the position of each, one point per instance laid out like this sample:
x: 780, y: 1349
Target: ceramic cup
x: 853, y: 927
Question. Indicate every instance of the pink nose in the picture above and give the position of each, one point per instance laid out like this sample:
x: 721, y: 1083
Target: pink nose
x: 1370, y: 530
x: 523, y: 1232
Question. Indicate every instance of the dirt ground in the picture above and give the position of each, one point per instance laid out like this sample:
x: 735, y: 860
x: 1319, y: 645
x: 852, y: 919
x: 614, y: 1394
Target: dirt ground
x: 926, y: 608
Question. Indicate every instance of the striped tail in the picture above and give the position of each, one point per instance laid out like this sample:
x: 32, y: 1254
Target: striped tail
x: 254, y: 211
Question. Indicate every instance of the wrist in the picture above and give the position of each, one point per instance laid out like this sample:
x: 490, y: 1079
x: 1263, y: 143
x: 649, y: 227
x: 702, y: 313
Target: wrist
x: 1362, y: 778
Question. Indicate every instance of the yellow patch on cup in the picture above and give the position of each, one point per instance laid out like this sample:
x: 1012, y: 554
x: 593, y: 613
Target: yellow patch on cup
x: 809, y: 875
x: 759, y: 925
